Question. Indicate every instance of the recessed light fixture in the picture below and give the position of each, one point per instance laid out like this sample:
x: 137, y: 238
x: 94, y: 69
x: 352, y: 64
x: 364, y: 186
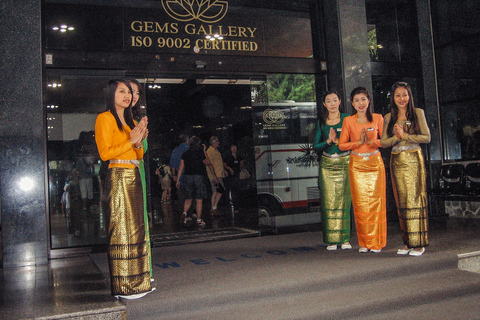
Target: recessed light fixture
x: 63, y: 28
x: 216, y: 36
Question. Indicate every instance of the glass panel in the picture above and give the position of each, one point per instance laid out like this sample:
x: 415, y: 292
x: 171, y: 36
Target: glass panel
x: 456, y: 36
x: 284, y: 119
x: 204, y: 108
x: 75, y: 186
x: 392, y: 31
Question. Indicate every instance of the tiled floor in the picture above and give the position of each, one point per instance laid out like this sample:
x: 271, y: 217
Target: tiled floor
x: 73, y: 286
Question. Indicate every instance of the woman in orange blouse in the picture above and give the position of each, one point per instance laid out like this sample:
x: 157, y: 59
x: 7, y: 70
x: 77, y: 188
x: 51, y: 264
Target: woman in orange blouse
x: 361, y: 134
x: 119, y: 141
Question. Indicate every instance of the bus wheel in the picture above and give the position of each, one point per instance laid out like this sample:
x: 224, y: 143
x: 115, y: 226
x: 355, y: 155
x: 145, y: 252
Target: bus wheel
x: 268, y: 206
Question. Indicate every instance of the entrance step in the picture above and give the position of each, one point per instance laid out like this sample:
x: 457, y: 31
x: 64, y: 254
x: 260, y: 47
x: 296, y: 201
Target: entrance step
x: 469, y: 261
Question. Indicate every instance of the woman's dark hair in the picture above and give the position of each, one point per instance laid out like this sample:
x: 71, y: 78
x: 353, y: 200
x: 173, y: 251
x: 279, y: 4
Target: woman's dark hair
x: 324, y: 111
x: 194, y: 143
x: 410, y: 113
x: 110, y: 101
x: 362, y: 90
x: 136, y: 107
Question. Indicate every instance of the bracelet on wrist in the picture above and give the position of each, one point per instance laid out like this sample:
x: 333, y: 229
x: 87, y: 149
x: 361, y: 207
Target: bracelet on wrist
x: 139, y: 147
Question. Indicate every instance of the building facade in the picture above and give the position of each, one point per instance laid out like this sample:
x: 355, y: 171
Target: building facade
x: 58, y: 55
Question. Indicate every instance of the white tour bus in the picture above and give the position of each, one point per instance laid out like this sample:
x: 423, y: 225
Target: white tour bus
x: 286, y: 164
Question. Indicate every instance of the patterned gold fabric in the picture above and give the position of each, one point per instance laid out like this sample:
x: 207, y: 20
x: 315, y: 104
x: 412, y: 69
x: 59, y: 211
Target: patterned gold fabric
x: 410, y: 189
x: 128, y: 250
x: 335, y: 198
x: 368, y: 185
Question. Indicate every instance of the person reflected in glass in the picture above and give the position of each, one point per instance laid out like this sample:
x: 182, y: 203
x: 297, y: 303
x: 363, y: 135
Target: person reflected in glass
x: 333, y: 181
x: 361, y: 134
x: 404, y: 129
x: 119, y: 141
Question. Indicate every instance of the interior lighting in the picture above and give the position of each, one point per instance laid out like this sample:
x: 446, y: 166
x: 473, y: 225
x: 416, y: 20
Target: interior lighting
x: 26, y: 184
x: 216, y: 36
x: 63, y: 28
x: 54, y: 85
x: 154, y: 86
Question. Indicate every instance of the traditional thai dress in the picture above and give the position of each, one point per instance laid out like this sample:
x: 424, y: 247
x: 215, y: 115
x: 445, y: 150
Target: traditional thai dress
x: 367, y: 180
x: 127, y: 247
x: 335, y: 196
x: 407, y: 167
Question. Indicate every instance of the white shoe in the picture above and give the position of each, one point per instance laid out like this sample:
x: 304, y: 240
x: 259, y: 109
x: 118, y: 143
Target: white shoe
x: 362, y: 250
x: 403, y: 251
x: 416, y: 253
x: 332, y: 247
x: 134, y: 296
x: 346, y: 246
x: 376, y: 250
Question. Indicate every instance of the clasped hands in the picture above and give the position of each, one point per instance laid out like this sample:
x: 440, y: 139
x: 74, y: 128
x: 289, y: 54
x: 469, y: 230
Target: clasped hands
x: 364, y: 138
x: 399, y: 131
x: 332, y: 137
x: 139, y: 133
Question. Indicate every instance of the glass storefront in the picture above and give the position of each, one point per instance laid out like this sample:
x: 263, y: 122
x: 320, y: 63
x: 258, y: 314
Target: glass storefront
x: 258, y: 116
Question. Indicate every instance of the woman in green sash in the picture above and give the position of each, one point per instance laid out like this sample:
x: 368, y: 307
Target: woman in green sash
x: 333, y: 179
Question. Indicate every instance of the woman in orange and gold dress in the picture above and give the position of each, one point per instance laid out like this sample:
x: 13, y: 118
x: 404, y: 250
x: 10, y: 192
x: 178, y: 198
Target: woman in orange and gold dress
x: 119, y: 141
x: 361, y: 134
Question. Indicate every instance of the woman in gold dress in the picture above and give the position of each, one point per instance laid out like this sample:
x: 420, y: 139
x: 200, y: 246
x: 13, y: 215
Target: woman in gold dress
x: 361, y: 134
x: 119, y: 141
x: 405, y: 128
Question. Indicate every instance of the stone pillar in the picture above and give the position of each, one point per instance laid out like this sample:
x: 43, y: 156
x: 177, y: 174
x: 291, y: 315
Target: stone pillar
x: 348, y: 60
x: 22, y: 136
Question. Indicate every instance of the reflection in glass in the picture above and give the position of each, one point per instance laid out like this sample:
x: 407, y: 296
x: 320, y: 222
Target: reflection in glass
x: 77, y: 200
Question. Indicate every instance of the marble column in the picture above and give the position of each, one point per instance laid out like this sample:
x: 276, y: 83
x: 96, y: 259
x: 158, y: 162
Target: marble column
x: 22, y: 136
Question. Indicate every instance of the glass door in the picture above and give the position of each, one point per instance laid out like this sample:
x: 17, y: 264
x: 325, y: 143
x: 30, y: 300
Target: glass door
x: 73, y: 99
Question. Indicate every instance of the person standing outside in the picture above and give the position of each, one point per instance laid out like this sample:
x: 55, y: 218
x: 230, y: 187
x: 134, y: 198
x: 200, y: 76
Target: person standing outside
x: 216, y: 173
x: 333, y: 180
x: 361, y: 134
x: 119, y: 141
x: 233, y: 164
x: 404, y: 129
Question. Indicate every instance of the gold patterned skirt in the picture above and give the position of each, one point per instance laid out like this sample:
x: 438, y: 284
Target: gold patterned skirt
x: 335, y: 199
x: 368, y: 185
x: 410, y: 189
x: 127, y: 249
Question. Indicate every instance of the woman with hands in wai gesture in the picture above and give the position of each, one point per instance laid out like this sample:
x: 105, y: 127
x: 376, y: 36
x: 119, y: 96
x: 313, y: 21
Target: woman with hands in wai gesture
x: 119, y: 141
x: 333, y: 180
x: 361, y: 135
x: 405, y: 128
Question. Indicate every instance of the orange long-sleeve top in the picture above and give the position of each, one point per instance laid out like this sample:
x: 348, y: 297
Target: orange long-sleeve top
x: 113, y: 143
x: 351, y: 132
